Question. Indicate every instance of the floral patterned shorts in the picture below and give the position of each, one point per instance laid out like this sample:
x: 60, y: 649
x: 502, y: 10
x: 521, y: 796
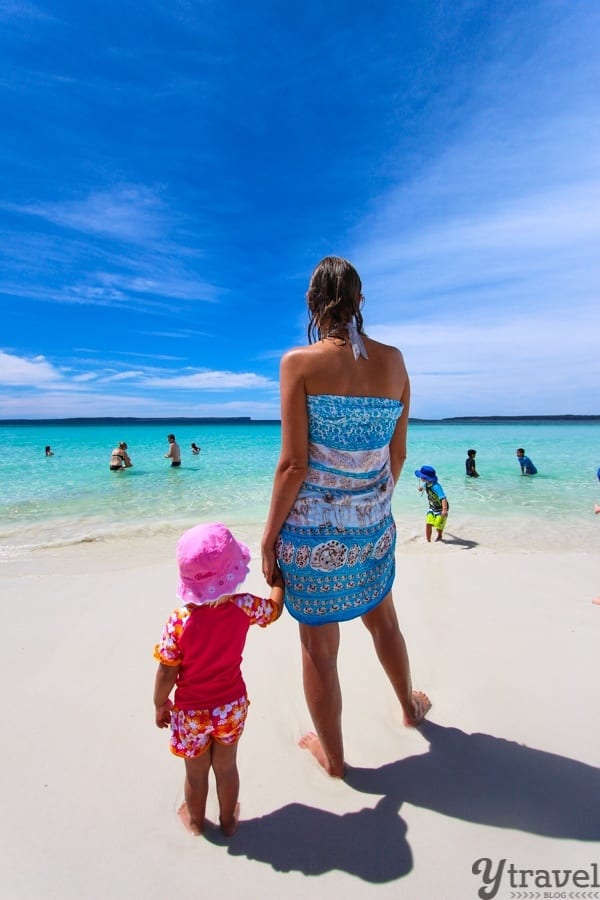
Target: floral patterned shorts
x: 193, y: 730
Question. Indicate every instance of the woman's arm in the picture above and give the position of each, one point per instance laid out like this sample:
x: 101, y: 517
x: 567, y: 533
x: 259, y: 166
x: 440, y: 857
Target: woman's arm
x: 293, y: 460
x: 398, y: 441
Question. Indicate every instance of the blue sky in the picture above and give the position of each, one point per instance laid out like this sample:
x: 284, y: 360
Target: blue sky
x: 172, y: 171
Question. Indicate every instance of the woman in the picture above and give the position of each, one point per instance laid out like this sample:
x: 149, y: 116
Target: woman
x: 344, y: 402
x: 119, y: 458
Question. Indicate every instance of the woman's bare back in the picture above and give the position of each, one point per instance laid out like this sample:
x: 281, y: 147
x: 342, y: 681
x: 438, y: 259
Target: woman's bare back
x: 329, y: 367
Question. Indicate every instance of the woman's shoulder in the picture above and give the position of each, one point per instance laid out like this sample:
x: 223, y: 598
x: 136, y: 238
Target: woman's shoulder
x: 388, y: 350
x: 386, y: 357
x: 300, y: 352
x: 302, y: 359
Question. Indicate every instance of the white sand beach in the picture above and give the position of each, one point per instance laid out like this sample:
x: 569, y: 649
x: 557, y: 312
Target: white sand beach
x: 505, y: 644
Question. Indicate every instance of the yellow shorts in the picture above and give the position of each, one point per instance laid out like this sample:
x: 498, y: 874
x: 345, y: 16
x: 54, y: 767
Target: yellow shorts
x: 438, y: 521
x: 193, y: 730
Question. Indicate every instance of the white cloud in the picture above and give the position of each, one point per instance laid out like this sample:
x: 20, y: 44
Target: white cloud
x: 213, y: 381
x: 18, y: 371
x: 40, y: 390
x: 59, y: 405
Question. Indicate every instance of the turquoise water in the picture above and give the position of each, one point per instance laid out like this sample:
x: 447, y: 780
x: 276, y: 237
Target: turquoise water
x: 72, y: 496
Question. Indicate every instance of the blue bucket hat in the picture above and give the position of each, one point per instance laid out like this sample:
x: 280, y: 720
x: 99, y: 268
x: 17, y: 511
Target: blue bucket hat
x: 427, y: 473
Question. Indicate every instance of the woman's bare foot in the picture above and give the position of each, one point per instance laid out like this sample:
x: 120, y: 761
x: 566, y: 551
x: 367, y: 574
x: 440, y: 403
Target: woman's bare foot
x: 187, y: 822
x: 231, y: 827
x: 421, y: 704
x: 312, y: 743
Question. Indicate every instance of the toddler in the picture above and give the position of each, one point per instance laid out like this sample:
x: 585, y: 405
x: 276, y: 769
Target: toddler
x: 200, y: 655
x: 437, y: 514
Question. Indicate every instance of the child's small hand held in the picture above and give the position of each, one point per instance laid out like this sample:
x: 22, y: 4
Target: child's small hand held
x: 162, y: 714
x: 277, y: 578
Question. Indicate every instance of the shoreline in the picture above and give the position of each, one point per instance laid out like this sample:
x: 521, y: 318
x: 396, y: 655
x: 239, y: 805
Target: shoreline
x: 522, y: 531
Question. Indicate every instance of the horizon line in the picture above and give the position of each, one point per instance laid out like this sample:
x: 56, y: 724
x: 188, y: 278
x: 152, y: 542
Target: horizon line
x: 248, y: 420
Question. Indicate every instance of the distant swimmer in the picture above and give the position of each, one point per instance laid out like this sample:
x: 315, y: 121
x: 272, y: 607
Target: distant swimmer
x: 49, y: 451
x: 470, y: 464
x: 119, y: 458
x: 174, y: 453
x: 527, y: 467
x: 195, y: 449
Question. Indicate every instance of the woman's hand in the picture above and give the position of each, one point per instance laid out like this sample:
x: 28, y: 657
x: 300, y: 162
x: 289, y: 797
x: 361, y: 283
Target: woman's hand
x: 270, y: 568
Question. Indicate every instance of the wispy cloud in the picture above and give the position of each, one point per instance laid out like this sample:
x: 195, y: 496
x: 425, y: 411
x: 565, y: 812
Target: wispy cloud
x: 83, y: 267
x: 176, y: 335
x: 128, y: 212
x: 213, y: 381
x: 19, y: 10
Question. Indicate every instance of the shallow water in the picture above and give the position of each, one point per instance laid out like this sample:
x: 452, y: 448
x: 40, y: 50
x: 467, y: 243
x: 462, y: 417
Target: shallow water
x: 73, y: 497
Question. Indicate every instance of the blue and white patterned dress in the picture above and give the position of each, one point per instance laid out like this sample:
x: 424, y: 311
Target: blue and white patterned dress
x: 336, y: 548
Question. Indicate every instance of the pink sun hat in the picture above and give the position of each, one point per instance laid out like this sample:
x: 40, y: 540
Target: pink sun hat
x: 211, y: 563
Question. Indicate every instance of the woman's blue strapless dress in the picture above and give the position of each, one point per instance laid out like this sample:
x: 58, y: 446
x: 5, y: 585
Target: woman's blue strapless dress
x: 336, y: 548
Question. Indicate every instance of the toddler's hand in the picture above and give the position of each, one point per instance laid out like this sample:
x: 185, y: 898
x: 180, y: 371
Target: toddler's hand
x: 277, y: 578
x: 162, y: 714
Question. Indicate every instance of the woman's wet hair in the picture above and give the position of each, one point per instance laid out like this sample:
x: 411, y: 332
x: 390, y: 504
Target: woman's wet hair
x: 334, y: 296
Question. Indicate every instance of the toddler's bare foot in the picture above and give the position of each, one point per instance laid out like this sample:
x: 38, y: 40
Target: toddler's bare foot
x: 187, y: 821
x: 230, y: 828
x: 312, y: 743
x: 596, y: 600
x: 421, y: 704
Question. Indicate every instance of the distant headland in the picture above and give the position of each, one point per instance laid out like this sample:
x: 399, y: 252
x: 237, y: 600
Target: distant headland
x: 468, y: 419
x: 149, y: 420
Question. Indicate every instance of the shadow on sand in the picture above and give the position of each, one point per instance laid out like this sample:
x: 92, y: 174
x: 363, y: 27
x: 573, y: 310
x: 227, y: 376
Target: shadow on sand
x: 458, y: 541
x: 474, y: 777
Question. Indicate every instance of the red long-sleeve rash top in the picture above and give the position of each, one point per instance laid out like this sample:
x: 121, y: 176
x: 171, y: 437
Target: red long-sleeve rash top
x: 207, y: 642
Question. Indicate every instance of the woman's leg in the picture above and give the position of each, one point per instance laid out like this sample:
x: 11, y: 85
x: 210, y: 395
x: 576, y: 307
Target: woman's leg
x: 224, y: 763
x: 196, y: 790
x: 390, y: 647
x: 320, y: 645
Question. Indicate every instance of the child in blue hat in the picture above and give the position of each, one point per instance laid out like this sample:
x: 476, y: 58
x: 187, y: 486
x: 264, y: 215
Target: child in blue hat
x: 437, y: 514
